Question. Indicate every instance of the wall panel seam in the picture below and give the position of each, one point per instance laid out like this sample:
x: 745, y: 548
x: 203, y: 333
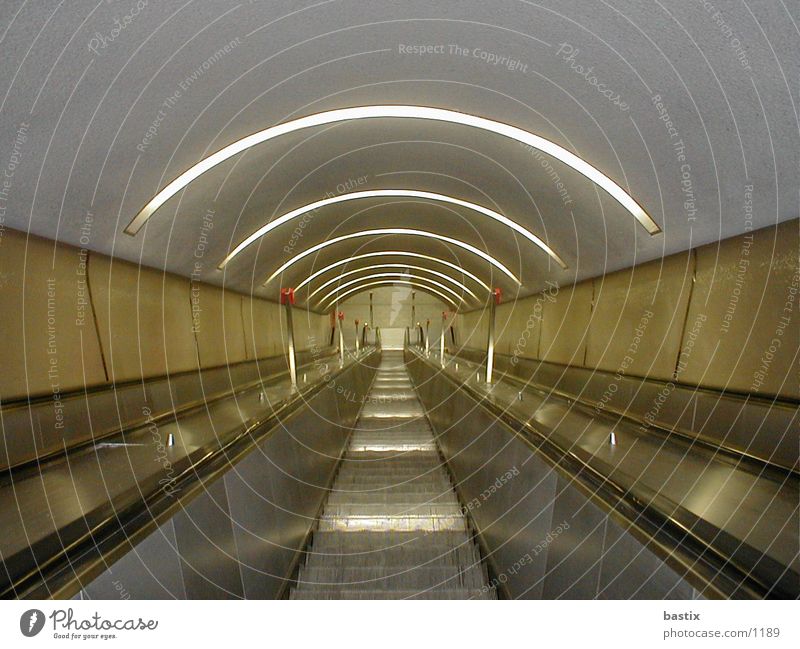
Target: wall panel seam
x: 89, y: 256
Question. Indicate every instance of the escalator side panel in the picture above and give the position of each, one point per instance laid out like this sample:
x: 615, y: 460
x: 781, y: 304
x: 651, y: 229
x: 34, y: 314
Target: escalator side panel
x: 256, y: 516
x: 545, y: 539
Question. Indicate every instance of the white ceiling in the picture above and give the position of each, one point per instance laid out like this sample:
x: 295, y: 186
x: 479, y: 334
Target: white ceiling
x: 86, y: 113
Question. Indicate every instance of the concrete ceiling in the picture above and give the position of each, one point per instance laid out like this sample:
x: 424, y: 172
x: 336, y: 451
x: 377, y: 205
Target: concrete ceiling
x: 98, y: 118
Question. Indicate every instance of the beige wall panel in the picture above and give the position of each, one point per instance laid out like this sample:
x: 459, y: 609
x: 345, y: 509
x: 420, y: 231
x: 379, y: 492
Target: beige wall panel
x: 526, y: 326
x: 749, y: 294
x: 637, y: 318
x: 47, y: 325
x: 565, y: 320
x: 473, y: 329
x: 504, y: 328
x: 392, y: 307
x: 144, y: 319
x: 311, y: 328
x: 261, y: 326
x: 217, y: 321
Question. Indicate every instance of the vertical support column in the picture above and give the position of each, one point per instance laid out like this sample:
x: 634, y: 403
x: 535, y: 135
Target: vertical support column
x: 497, y: 296
x: 287, y: 299
x: 358, y: 346
x: 413, y: 309
x: 428, y: 337
x: 371, y: 313
x: 340, y: 316
x: 441, y: 337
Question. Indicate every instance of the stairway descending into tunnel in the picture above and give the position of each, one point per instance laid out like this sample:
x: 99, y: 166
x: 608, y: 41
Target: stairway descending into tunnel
x: 392, y: 527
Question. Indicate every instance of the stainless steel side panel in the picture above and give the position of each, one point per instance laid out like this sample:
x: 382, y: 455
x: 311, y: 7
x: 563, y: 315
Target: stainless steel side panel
x: 756, y: 427
x: 240, y: 536
x: 543, y: 536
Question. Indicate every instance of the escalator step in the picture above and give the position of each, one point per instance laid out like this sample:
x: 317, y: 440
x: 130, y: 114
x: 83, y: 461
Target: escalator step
x: 392, y: 527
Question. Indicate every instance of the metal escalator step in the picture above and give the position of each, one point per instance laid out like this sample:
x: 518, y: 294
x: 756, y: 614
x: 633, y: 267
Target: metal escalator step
x: 368, y: 468
x: 391, y: 539
x: 392, y: 527
x: 366, y: 472
x: 383, y: 498
x: 392, y: 510
x: 434, y: 554
x: 398, y: 473
x: 390, y: 577
x: 392, y: 458
x: 389, y: 523
x: 389, y: 459
x: 362, y: 444
x: 394, y: 426
x: 412, y: 489
x: 432, y: 481
x: 343, y: 593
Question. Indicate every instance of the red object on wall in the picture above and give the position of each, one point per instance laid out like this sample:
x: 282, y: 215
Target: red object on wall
x: 356, y: 322
x: 444, y: 315
x: 287, y: 295
x: 341, y: 315
x: 498, y: 295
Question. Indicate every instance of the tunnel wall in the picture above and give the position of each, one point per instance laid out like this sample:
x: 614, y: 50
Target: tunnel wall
x: 392, y: 308
x: 73, y: 318
x: 544, y: 537
x: 722, y: 316
x: 240, y: 534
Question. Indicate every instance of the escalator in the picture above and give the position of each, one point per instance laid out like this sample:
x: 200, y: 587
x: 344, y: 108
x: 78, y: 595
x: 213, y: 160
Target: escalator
x: 392, y: 527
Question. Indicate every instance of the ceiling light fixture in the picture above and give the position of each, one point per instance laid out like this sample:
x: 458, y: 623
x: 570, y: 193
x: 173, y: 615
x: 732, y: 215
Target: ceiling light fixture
x: 398, y: 231
x: 392, y: 253
x: 391, y: 193
x: 381, y: 266
x: 414, y: 284
x: 408, y: 112
x: 397, y: 275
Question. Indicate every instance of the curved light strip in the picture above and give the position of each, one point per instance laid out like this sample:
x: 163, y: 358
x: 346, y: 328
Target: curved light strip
x: 382, y: 231
x: 411, y: 112
x: 379, y: 266
x: 363, y: 287
x: 391, y: 193
x: 392, y: 253
x: 410, y: 277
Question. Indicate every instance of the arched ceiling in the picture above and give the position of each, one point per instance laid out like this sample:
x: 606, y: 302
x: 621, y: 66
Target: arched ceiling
x: 681, y: 110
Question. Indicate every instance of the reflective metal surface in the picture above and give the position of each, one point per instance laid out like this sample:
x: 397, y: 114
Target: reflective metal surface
x: 65, y: 521
x: 392, y: 527
x: 748, y: 516
x: 748, y: 426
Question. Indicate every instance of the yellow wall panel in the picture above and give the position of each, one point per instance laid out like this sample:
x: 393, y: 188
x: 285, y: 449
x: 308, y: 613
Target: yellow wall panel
x: 637, y: 318
x: 217, y: 324
x: 143, y: 318
x: 47, y: 326
x: 747, y: 292
x: 262, y: 327
x: 564, y: 324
